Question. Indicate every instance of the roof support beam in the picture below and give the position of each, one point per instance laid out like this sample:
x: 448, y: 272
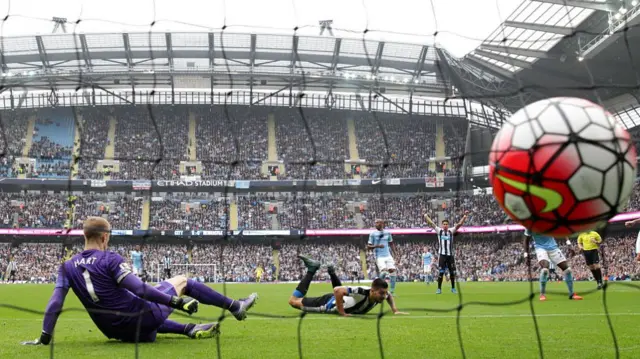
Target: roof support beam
x: 420, y: 64
x: 170, y: 58
x: 294, y: 58
x: 42, y: 53
x: 127, y: 50
x: 489, y: 66
x: 336, y: 55
x: 212, y: 56
x: 85, y: 50
x: 600, y: 6
x: 169, y: 49
x: 560, y: 30
x: 252, y: 52
x: 378, y: 59
x: 505, y: 59
x: 516, y: 51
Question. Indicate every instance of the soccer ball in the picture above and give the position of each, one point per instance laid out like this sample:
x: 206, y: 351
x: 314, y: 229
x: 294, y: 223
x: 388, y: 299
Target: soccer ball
x: 561, y: 166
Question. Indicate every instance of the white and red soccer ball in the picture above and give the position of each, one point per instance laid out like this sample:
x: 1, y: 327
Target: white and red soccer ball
x: 561, y: 166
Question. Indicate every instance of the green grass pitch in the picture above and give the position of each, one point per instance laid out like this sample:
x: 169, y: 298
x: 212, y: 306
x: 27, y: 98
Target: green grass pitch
x: 569, y: 329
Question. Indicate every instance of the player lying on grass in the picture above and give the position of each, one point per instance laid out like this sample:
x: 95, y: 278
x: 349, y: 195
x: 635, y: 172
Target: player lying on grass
x: 547, y: 251
x: 344, y: 300
x: 120, y: 304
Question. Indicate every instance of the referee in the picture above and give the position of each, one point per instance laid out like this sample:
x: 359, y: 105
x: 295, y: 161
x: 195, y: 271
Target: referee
x: 589, y: 242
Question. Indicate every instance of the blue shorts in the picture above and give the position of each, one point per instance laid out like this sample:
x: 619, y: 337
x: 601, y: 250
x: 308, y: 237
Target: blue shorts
x: 154, y: 316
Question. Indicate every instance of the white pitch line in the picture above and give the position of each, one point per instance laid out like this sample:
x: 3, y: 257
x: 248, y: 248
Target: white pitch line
x: 328, y: 317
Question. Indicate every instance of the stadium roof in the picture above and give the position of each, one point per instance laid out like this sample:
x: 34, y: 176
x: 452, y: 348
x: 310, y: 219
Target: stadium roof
x: 549, y: 48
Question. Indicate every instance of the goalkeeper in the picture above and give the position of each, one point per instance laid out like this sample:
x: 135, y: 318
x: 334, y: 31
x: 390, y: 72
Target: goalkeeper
x: 120, y: 304
x: 344, y: 300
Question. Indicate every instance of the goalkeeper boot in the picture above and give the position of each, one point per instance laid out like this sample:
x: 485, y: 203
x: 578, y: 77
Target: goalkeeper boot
x: 245, y: 305
x: 311, y: 264
x: 204, y: 331
x: 543, y: 297
x: 574, y: 296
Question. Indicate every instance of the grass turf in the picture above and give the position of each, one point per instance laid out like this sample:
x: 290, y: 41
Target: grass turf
x: 488, y: 330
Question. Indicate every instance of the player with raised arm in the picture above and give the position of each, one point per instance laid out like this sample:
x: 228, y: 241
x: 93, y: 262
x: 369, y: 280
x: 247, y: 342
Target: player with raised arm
x: 380, y: 242
x: 427, y: 261
x: 116, y: 300
x: 589, y: 242
x: 446, y: 252
x: 630, y: 224
x: 547, y: 251
x: 344, y: 300
x: 137, y: 261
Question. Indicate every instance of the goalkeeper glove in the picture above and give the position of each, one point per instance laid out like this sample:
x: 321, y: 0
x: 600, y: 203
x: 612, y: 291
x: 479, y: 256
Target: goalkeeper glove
x: 184, y: 304
x: 44, y: 339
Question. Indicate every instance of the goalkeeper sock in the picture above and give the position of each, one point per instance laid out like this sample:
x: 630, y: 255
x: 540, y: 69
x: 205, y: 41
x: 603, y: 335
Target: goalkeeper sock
x: 206, y: 295
x: 303, y: 286
x: 597, y: 275
x: 393, y: 278
x: 568, y: 278
x: 544, y: 276
x: 169, y: 326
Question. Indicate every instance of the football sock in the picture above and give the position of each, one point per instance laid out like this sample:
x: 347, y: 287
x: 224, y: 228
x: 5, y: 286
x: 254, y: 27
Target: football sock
x: 440, y: 276
x: 335, y: 281
x: 544, y: 276
x: 453, y: 281
x: 169, y: 326
x: 393, y: 278
x: 568, y: 278
x: 303, y: 286
x: 206, y: 295
x: 597, y: 275
x: 426, y: 278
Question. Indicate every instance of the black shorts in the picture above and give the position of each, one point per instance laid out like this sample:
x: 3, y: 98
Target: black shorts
x: 12, y: 273
x: 591, y: 257
x: 445, y: 261
x: 315, y: 302
x: 167, y: 272
x: 354, y: 274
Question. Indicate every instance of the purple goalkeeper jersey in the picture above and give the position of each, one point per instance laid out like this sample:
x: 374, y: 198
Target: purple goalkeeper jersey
x: 95, y: 276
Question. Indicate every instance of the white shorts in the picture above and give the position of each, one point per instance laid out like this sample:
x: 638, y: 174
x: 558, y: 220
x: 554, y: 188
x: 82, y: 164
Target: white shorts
x: 136, y: 270
x: 427, y: 269
x: 554, y: 256
x: 385, y: 263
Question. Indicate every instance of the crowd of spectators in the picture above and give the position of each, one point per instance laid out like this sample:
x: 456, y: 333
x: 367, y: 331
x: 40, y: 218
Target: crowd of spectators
x: 408, y: 142
x: 231, y: 139
x: 122, y: 211
x: 185, y: 213
x: 311, y: 144
x: 255, y: 211
x: 495, y: 257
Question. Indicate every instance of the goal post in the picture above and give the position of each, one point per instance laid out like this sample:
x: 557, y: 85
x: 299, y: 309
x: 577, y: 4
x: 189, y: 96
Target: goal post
x: 208, y: 271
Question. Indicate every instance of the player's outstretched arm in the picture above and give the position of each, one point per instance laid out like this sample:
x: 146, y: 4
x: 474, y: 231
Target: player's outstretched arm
x: 143, y: 290
x: 631, y: 223
x: 339, y: 293
x: 430, y: 222
x: 461, y: 222
x: 53, y: 310
x: 392, y: 304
